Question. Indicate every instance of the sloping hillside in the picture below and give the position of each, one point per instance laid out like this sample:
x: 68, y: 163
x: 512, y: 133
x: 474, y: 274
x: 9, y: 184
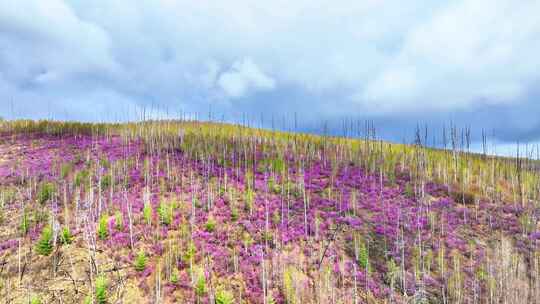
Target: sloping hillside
x: 188, y: 212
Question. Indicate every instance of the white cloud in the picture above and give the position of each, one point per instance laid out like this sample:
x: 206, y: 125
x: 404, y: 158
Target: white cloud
x: 467, y: 54
x: 364, y: 58
x: 49, y: 36
x: 244, y: 77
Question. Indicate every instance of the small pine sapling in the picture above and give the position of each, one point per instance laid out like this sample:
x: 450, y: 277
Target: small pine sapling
x: 190, y: 252
x: 210, y: 225
x: 35, y: 300
x: 248, y: 200
x: 234, y: 213
x: 147, y: 213
x: 25, y: 223
x: 119, y: 220
x: 165, y: 213
x: 80, y: 178
x: 45, y: 193
x: 174, y: 276
x: 102, y: 227
x: 101, y: 290
x: 363, y: 257
x: 65, y: 237
x: 44, y: 245
x: 106, y: 181
x: 200, y: 285
x: 140, y: 261
x: 224, y: 297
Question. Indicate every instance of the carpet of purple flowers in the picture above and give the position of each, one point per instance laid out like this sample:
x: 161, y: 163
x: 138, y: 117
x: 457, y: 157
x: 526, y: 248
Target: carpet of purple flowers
x: 204, y: 213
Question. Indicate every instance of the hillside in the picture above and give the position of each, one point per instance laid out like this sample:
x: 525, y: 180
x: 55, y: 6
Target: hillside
x: 192, y: 212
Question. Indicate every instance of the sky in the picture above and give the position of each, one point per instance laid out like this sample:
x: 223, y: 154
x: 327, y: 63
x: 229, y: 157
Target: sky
x: 429, y: 63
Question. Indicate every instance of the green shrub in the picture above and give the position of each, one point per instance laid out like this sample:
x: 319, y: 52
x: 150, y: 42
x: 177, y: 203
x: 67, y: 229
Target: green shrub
x: 409, y: 191
x: 196, y: 202
x: 101, y: 290
x: 106, y: 181
x: 224, y: 297
x: 165, y: 213
x: 247, y: 240
x: 102, y: 231
x: 268, y: 236
x: 25, y: 223
x: 65, y: 170
x: 289, y: 286
x: 190, y: 252
x: 248, y: 200
x: 104, y: 163
x: 147, y: 213
x: 140, y: 261
x: 210, y: 224
x: 35, y: 300
x: 234, y: 213
x: 200, y: 285
x: 65, y: 236
x: 44, y: 245
x: 392, y: 272
x: 45, y: 192
x: 119, y: 219
x: 363, y: 256
x: 81, y: 178
x: 174, y: 276
x: 276, y: 218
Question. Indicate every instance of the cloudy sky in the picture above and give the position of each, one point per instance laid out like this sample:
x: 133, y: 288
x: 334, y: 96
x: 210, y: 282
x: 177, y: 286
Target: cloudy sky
x: 472, y: 63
